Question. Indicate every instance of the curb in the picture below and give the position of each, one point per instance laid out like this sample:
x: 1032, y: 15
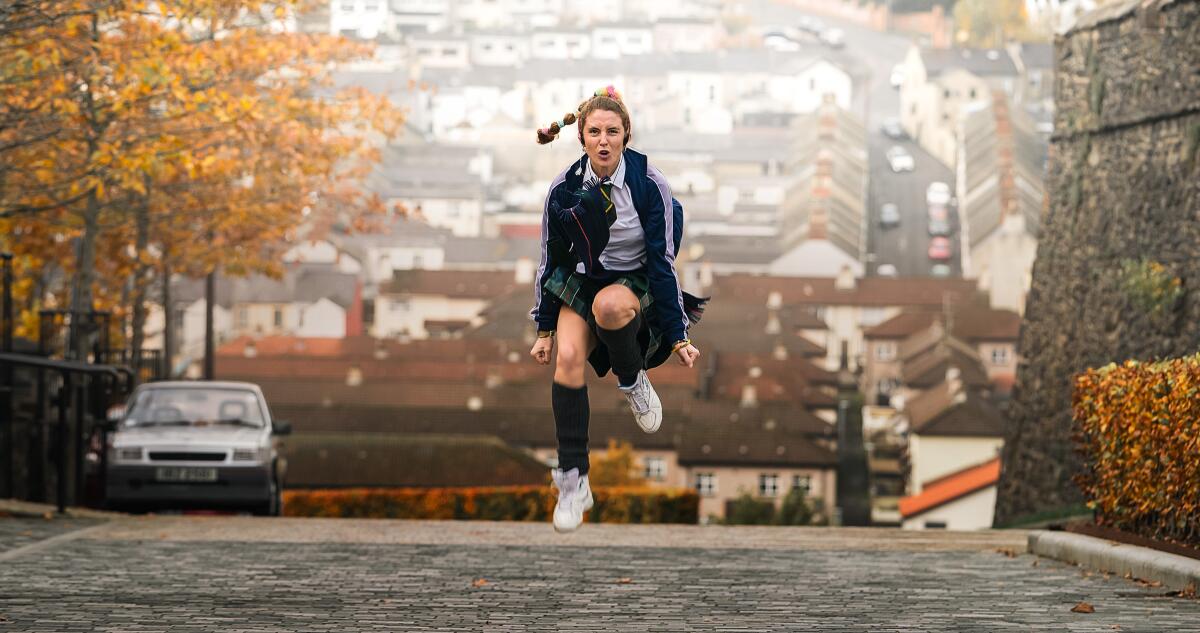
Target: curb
x: 30, y: 510
x: 1175, y: 572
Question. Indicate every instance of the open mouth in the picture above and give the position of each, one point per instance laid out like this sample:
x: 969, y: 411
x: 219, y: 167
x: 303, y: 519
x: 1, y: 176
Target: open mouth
x: 603, y: 154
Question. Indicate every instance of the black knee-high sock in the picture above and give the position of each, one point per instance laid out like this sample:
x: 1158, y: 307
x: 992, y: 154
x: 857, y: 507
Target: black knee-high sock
x: 571, y: 412
x: 623, y: 350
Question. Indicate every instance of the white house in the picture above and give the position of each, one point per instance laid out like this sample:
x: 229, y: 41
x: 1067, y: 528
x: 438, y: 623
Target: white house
x: 499, y: 48
x: 560, y: 44
x: 418, y: 303
x: 434, y: 50
x: 614, y: 40
x: 366, y: 19
x: 962, y: 500
x: 940, y: 85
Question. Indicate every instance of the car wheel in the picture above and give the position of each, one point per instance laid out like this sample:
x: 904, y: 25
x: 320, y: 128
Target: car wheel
x: 273, y: 506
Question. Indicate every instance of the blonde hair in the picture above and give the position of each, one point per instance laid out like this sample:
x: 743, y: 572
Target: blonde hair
x: 606, y: 98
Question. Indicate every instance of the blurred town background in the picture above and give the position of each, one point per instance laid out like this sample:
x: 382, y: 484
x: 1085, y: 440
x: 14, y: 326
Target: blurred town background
x: 864, y: 187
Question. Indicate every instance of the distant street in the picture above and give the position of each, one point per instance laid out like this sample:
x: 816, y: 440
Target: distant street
x: 905, y: 247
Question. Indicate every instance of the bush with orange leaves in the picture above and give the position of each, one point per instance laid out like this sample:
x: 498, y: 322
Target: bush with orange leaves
x: 1138, y: 426
x: 616, y: 504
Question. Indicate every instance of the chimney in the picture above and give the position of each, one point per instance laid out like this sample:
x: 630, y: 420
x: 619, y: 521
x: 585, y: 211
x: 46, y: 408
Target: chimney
x: 780, y: 352
x: 818, y: 225
x: 773, y: 326
x: 845, y: 279
x: 354, y: 377
x: 525, y: 270
x: 954, y: 382
x: 749, y: 396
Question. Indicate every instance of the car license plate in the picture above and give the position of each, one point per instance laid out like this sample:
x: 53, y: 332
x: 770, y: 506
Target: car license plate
x: 182, y: 474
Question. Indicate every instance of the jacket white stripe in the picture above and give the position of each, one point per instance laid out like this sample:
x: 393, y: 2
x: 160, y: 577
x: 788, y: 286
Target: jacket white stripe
x: 537, y: 279
x: 664, y: 190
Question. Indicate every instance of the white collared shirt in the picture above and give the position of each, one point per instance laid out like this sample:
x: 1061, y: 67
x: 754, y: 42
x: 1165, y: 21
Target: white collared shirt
x: 626, y: 248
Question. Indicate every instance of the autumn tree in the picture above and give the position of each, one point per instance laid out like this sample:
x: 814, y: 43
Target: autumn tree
x: 991, y: 23
x: 177, y: 135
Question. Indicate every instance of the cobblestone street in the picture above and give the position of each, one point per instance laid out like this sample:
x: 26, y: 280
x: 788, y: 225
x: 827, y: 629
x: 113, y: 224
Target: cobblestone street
x: 247, y: 574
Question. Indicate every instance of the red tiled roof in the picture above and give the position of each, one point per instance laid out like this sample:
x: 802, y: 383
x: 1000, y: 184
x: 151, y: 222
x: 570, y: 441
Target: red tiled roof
x: 473, y: 284
x: 868, y: 292
x: 970, y: 323
x: 951, y: 487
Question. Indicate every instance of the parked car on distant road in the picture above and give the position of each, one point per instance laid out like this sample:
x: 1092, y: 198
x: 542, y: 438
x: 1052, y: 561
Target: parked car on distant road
x: 196, y: 444
x: 833, y: 38
x: 899, y: 159
x: 897, y: 76
x: 940, y: 270
x: 937, y: 193
x: 886, y: 270
x: 889, y: 215
x: 938, y: 227
x: 891, y: 128
x: 939, y: 249
x: 938, y: 212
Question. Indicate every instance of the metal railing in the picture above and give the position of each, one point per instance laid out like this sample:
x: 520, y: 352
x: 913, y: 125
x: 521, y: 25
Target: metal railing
x: 66, y: 413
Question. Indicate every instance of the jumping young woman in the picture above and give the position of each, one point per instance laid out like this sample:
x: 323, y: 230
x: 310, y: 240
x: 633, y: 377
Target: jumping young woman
x: 606, y: 286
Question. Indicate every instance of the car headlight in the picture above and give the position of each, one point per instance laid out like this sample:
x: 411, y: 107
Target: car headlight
x: 251, y: 454
x: 125, y: 454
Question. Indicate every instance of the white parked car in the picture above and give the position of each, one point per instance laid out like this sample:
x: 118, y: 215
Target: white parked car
x: 889, y: 215
x: 897, y: 76
x: 886, y: 270
x: 938, y: 193
x: 188, y: 444
x: 899, y: 159
x: 833, y: 38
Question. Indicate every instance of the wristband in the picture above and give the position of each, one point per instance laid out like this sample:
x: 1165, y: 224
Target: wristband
x: 545, y: 333
x: 681, y: 344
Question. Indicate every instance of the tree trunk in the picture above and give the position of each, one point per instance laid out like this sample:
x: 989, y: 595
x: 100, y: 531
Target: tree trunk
x: 141, y: 277
x: 85, y: 276
x: 168, y: 353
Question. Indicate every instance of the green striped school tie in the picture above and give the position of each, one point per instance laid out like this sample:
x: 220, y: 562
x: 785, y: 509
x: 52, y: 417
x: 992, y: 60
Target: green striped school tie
x: 610, y: 209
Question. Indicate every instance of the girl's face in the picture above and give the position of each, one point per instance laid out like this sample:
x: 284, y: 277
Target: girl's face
x: 604, y: 140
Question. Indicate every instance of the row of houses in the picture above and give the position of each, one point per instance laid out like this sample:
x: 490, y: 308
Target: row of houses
x: 757, y: 417
x: 940, y: 381
x: 556, y: 22
x: 987, y: 113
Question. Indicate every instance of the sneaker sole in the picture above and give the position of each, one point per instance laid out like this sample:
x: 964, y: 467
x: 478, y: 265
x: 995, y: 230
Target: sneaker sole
x: 587, y: 506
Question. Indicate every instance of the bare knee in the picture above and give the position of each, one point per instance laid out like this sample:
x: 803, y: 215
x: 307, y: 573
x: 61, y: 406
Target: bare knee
x: 569, y: 365
x: 614, y: 310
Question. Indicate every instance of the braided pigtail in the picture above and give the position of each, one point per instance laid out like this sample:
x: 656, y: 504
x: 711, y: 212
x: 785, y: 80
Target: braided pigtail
x: 547, y: 134
x: 606, y: 98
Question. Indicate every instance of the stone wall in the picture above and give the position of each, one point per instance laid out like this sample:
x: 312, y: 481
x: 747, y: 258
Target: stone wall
x: 1124, y: 185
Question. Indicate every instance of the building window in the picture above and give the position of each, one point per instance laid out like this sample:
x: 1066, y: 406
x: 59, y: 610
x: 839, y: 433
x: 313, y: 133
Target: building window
x: 802, y: 482
x: 999, y: 355
x: 706, y: 484
x: 655, y: 468
x: 768, y: 485
x: 348, y: 7
x: 242, y: 319
x: 935, y: 525
x: 946, y: 94
x: 278, y: 317
x: 972, y: 93
x: 885, y: 351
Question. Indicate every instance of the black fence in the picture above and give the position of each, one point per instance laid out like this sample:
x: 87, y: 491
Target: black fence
x: 53, y: 443
x: 54, y: 405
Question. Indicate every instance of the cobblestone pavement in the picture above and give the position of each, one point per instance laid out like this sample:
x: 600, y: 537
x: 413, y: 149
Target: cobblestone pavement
x: 18, y: 532
x: 250, y: 574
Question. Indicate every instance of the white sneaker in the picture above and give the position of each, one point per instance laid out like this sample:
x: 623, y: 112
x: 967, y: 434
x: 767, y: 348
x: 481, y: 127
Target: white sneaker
x: 574, y: 498
x: 647, y: 409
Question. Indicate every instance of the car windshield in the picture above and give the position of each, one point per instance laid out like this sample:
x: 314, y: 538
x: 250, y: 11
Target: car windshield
x: 188, y: 406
